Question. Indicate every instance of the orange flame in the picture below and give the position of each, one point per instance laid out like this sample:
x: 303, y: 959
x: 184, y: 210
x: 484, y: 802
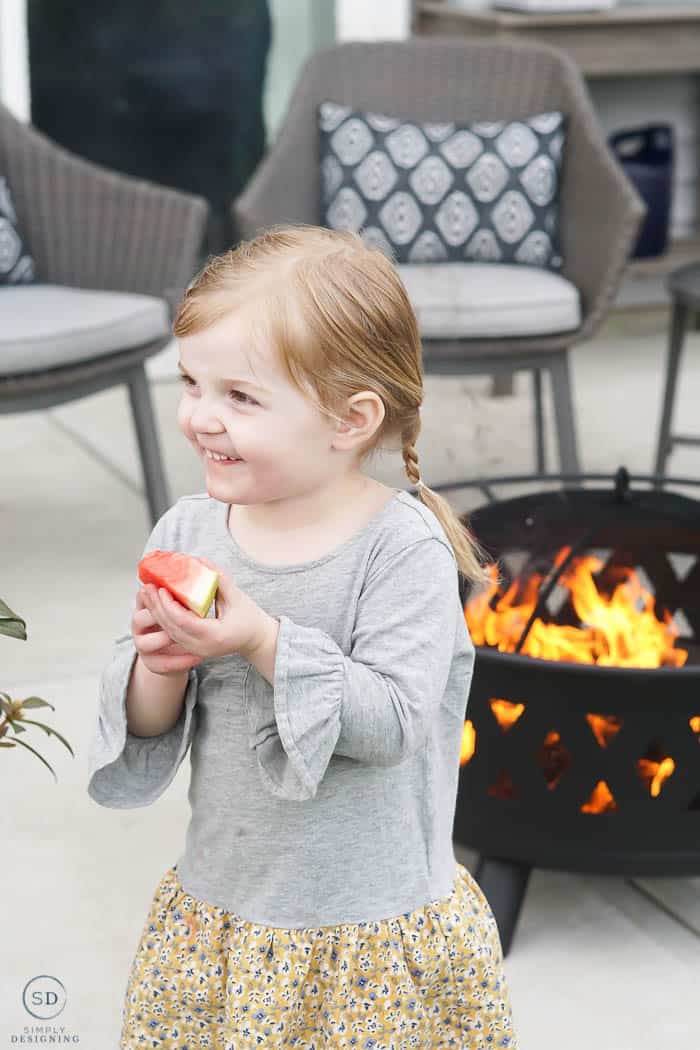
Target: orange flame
x: 506, y: 712
x: 619, y: 630
x: 468, y: 742
x: 601, y: 800
x: 655, y: 773
x: 605, y: 727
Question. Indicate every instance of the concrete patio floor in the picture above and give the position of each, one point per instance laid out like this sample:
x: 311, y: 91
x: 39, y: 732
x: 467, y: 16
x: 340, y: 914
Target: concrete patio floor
x: 597, y: 962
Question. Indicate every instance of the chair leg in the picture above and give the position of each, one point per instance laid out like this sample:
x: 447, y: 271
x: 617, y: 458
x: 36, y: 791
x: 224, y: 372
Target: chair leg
x: 679, y: 321
x: 149, y: 447
x: 539, y: 420
x: 564, y: 413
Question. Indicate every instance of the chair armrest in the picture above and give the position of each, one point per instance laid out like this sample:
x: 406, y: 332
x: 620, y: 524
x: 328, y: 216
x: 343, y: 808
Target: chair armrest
x: 601, y: 213
x: 89, y: 227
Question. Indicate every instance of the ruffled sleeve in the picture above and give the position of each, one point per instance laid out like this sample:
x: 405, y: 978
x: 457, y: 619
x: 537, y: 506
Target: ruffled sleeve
x: 127, y: 771
x: 374, y: 705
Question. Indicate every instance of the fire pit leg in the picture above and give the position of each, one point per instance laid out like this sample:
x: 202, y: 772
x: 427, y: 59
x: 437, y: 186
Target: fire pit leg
x: 504, y: 883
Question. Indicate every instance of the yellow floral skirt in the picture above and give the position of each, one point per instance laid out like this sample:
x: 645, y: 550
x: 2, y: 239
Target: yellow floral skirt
x: 430, y: 978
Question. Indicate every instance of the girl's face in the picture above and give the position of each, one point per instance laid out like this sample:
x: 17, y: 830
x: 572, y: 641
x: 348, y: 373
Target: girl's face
x: 284, y: 444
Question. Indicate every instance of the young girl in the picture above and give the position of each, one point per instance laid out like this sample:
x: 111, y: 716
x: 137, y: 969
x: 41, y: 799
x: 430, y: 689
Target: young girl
x: 317, y: 903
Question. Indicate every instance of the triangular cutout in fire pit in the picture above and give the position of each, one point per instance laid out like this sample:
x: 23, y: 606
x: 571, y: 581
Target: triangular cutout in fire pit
x: 655, y: 767
x: 506, y: 712
x: 682, y: 624
x: 694, y: 724
x: 600, y: 800
x: 605, y: 727
x: 504, y: 787
x: 554, y: 758
x: 681, y: 563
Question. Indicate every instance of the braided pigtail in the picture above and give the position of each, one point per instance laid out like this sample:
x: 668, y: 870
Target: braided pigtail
x: 470, y: 557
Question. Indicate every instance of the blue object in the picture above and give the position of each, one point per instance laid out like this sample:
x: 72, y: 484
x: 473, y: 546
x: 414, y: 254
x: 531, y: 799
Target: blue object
x: 646, y: 154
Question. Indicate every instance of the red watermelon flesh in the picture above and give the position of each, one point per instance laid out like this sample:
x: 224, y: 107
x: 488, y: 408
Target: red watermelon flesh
x: 189, y: 580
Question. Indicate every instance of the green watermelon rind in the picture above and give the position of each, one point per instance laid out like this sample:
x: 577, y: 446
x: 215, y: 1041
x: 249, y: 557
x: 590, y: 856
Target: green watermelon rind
x: 207, y: 591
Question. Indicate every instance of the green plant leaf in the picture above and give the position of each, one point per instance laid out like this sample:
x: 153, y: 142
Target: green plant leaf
x: 10, y: 623
x: 36, y: 701
x: 14, y: 626
x: 49, y: 730
x: 40, y: 757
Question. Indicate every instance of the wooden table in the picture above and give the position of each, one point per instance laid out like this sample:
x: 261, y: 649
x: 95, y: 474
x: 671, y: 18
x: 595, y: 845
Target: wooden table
x: 626, y: 40
x: 623, y: 41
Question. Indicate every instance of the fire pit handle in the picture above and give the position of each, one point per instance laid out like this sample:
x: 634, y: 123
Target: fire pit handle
x: 622, y: 485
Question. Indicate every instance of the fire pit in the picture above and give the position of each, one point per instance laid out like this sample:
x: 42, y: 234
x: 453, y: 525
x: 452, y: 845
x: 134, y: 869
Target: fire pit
x: 581, y: 748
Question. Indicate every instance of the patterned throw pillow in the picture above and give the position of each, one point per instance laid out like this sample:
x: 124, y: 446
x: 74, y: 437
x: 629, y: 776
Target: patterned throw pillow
x: 16, y: 265
x: 486, y: 191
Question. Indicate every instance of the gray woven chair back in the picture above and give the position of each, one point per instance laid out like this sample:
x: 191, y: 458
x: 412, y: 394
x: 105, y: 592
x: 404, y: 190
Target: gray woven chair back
x: 89, y: 227
x: 441, y: 78
x: 424, y: 79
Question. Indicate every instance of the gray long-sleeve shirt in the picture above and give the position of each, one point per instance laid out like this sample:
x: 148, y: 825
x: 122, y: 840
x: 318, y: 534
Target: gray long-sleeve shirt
x: 330, y: 797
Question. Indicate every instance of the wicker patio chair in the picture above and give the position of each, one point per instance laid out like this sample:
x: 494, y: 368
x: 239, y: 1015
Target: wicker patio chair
x: 445, y: 79
x: 112, y: 254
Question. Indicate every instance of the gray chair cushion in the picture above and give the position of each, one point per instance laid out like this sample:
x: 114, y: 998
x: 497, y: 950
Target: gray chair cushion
x: 48, y: 325
x: 489, y: 300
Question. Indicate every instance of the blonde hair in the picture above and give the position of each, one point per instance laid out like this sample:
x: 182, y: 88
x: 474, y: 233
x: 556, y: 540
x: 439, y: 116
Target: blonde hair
x: 340, y: 317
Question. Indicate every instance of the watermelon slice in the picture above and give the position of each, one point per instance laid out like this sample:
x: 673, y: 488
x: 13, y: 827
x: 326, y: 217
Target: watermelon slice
x: 189, y: 580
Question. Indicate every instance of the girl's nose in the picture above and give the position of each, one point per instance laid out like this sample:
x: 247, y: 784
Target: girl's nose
x: 203, y: 418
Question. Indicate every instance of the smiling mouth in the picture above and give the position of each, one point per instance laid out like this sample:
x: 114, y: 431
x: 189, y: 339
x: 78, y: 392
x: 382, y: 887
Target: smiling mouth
x: 215, y: 459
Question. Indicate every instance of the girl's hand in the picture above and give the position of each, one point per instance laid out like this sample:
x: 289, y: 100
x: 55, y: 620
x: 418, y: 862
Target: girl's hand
x: 155, y: 647
x: 236, y: 627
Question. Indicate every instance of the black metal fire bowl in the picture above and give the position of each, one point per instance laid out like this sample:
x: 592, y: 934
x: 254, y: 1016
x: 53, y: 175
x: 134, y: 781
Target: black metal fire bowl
x: 525, y: 796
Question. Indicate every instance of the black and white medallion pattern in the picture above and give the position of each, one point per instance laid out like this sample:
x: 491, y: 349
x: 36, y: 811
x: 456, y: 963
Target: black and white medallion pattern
x: 16, y: 265
x: 485, y: 191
